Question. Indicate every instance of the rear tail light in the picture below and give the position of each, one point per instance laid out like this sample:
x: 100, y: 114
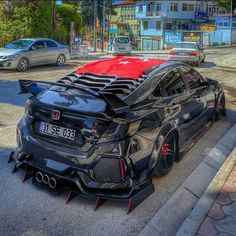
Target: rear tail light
x: 171, y: 53
x: 109, y: 169
x: 122, y: 169
x: 193, y: 54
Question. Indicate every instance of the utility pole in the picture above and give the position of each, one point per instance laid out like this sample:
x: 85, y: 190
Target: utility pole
x: 103, y: 23
x: 231, y: 24
x: 95, y: 27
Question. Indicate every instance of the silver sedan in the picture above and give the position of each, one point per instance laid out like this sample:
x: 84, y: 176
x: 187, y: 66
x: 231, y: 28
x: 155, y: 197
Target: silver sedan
x: 187, y: 52
x: 24, y: 53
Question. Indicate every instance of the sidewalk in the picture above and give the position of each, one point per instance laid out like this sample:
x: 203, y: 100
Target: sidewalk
x: 221, y: 218
x: 187, y: 208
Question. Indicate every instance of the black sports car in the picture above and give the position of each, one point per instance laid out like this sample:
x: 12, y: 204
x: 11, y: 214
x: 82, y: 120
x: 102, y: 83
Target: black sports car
x: 104, y: 130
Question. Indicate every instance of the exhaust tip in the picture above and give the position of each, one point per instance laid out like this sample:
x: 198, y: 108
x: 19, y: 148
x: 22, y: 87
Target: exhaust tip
x: 52, y: 183
x: 39, y: 177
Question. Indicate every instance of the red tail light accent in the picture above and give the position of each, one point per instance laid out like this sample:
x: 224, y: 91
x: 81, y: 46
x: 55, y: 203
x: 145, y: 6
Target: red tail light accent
x: 194, y: 54
x: 171, y: 53
x: 122, y: 169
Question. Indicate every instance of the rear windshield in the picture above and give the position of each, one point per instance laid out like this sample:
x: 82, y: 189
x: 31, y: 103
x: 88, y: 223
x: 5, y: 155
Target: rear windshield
x: 122, y: 40
x: 185, y: 45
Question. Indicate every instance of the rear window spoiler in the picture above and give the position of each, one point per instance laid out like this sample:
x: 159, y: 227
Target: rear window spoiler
x: 35, y: 87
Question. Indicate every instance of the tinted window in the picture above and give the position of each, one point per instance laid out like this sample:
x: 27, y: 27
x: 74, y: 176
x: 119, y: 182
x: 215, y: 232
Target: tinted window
x: 39, y: 44
x: 51, y: 44
x: 171, y: 84
x: 122, y: 40
x: 193, y: 78
x: 185, y: 45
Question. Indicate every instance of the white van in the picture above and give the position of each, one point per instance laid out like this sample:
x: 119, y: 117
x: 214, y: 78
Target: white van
x: 121, y: 45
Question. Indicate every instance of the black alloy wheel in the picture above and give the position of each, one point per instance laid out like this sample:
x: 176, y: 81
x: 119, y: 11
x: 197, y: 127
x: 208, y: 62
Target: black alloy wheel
x: 167, y: 155
x: 219, y: 109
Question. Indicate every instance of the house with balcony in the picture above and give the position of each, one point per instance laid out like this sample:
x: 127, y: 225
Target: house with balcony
x: 125, y: 21
x: 163, y: 23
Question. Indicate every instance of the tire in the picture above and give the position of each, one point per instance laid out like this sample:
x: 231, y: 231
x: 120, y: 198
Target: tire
x: 61, y: 60
x: 167, y: 154
x: 219, y: 109
x: 203, y: 60
x: 197, y: 64
x: 23, y: 64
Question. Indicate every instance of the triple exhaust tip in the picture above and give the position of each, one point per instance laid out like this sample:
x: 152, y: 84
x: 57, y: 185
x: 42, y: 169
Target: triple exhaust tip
x: 44, y: 178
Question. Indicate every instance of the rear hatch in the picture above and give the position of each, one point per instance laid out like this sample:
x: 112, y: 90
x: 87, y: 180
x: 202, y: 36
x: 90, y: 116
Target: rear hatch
x: 69, y: 117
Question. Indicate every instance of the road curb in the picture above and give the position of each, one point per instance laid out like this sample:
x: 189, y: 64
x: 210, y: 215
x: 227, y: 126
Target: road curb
x: 196, y: 217
x: 171, y: 216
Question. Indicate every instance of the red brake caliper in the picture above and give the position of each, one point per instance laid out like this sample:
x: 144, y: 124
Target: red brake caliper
x: 165, y: 149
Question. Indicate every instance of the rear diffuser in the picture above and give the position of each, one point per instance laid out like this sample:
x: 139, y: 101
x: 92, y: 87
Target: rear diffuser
x: 135, y: 199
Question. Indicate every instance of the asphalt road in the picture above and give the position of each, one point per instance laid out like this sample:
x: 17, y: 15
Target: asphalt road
x: 26, y: 210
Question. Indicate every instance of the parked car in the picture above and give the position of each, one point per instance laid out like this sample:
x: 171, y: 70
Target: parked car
x: 121, y: 45
x: 24, y: 53
x: 189, y: 52
x: 104, y: 130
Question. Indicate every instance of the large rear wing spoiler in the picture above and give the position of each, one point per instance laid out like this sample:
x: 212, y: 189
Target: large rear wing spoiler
x: 35, y: 87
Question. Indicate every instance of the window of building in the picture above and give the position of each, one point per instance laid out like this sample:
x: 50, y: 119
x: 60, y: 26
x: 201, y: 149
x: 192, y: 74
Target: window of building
x: 234, y: 24
x: 223, y: 23
x: 140, y: 9
x: 158, y: 6
x: 174, y: 6
x: 149, y: 7
x: 188, y: 7
x: 158, y: 25
x: 168, y: 26
x: 212, y: 8
x: 145, y: 25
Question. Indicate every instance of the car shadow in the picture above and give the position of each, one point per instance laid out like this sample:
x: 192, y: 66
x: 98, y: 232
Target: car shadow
x: 9, y: 91
x: 207, y: 64
x: 43, y: 68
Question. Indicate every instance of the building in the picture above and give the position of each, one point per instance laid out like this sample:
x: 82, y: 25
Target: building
x: 125, y: 22
x: 163, y: 23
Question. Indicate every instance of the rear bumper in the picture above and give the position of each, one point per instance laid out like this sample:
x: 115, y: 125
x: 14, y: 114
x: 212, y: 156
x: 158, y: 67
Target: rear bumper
x: 122, y: 51
x: 94, y: 173
x: 183, y: 58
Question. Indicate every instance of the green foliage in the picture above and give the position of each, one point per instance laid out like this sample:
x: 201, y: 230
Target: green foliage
x: 226, y: 4
x: 36, y: 18
x: 41, y: 18
x: 60, y: 34
x: 69, y: 13
x: 30, y: 18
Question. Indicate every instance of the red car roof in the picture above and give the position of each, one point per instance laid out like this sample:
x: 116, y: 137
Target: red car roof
x: 122, y: 67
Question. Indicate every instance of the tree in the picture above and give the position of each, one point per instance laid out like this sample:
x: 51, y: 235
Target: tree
x: 226, y: 4
x: 22, y: 18
x: 69, y: 13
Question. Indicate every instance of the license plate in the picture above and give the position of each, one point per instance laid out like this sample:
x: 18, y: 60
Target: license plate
x: 182, y: 53
x: 57, y: 131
